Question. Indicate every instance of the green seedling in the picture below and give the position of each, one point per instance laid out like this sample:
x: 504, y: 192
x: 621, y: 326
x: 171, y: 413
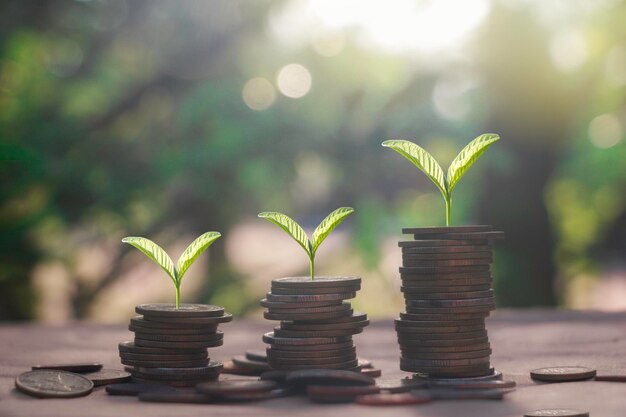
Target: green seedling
x: 429, y: 166
x: 161, y: 258
x: 298, y: 234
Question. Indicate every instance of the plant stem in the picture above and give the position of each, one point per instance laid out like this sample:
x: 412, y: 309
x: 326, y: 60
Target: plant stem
x: 312, y: 267
x: 177, y: 296
x: 448, y: 210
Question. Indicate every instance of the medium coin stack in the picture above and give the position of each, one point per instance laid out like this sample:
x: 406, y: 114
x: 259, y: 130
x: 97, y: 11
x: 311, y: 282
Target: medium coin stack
x: 170, y: 345
x: 446, y: 281
x: 316, y: 323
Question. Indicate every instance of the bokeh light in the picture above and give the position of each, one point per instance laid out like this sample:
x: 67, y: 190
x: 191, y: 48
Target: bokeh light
x: 294, y: 80
x: 258, y: 93
x: 605, y: 131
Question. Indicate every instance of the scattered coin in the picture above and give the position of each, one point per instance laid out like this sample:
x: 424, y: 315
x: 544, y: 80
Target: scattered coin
x: 220, y: 388
x: 231, y: 368
x: 328, y: 377
x: 563, y: 374
x: 557, y: 412
x: 256, y: 355
x: 45, y: 383
x: 258, y: 396
x: 373, y: 372
x: 395, y: 386
x: 338, y: 393
x: 132, y: 389
x: 455, y: 394
x: 469, y: 384
x: 493, y: 375
x: 279, y: 377
x: 107, y: 376
x: 71, y: 367
x: 244, y: 362
x: 393, y: 399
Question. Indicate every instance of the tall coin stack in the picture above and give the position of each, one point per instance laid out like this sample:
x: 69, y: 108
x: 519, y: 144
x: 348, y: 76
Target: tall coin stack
x: 170, y: 345
x: 446, y: 281
x: 316, y: 324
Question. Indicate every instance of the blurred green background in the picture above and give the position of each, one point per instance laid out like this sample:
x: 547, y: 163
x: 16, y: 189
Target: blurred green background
x: 166, y: 119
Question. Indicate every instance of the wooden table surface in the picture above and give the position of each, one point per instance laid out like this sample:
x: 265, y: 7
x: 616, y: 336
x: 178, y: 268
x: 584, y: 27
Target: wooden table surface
x: 521, y: 341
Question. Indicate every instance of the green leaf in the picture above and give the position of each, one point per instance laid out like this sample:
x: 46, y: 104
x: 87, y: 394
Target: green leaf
x: 421, y: 159
x: 154, y: 252
x: 328, y: 224
x: 193, y: 251
x: 290, y: 226
x: 468, y: 156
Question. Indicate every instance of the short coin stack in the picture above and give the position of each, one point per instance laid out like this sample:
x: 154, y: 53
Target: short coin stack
x: 446, y: 281
x: 316, y: 324
x: 170, y: 345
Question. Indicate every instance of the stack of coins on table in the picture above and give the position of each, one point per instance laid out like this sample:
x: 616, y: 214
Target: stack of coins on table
x: 446, y: 282
x: 316, y: 323
x: 170, y: 345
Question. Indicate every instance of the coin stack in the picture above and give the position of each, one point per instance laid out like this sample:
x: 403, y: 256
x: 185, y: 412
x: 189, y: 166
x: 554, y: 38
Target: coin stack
x: 446, y: 281
x: 316, y: 324
x: 170, y: 345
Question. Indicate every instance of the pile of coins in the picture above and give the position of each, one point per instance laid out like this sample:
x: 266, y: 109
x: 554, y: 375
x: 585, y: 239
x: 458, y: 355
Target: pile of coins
x: 316, y: 323
x: 170, y: 345
x: 446, y: 282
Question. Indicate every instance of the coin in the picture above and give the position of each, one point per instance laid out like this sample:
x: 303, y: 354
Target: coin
x: 130, y: 347
x: 193, y: 321
x: 242, y: 361
x: 399, y: 323
x: 279, y: 377
x: 478, y: 236
x: 180, y: 338
x: 446, y: 229
x: 175, y: 397
x: 354, y: 318
x: 443, y: 316
x: 456, y: 372
x: 107, y: 376
x: 184, y: 310
x: 444, y: 363
x: 484, y: 255
x: 449, y: 296
x: 193, y: 331
x: 212, y: 368
x: 492, y: 375
x: 312, y: 310
x: 373, y: 372
x: 414, y: 350
x: 483, y: 249
x: 139, y: 321
x: 231, y: 368
x: 348, y: 365
x: 229, y: 387
x: 289, y: 325
x: 295, y: 354
x: 412, y: 336
x: 309, y: 298
x: 443, y: 343
x: 307, y: 282
x: 179, y: 345
x: 557, y: 412
x: 278, y: 332
x: 393, y: 399
x: 443, y: 281
x: 165, y: 364
x: 309, y: 304
x: 273, y: 340
x: 455, y: 289
x: 306, y: 316
x: 465, y: 384
x: 426, y: 270
x: 562, y: 374
x: 338, y: 393
x: 471, y: 302
x: 332, y: 360
x: 446, y: 355
x: 129, y: 388
x: 436, y: 243
x: 308, y: 348
x: 395, y: 386
x: 71, y: 367
x: 46, y: 383
x: 174, y: 357
x: 185, y: 383
x: 328, y: 377
x: 315, y: 291
x: 258, y: 396
x: 448, y: 263
x: 442, y: 329
x: 256, y: 355
x: 449, y: 310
